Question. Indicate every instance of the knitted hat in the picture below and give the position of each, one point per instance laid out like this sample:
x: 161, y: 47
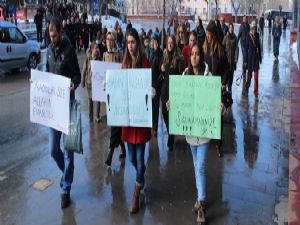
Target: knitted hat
x: 253, y: 23
x: 113, y: 33
x: 212, y: 28
x: 154, y: 36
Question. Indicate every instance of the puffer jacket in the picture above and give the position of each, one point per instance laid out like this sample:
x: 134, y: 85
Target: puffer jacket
x: 62, y: 60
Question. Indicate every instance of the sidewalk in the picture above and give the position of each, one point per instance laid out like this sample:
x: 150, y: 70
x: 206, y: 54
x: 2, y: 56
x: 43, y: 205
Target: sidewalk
x: 294, y: 163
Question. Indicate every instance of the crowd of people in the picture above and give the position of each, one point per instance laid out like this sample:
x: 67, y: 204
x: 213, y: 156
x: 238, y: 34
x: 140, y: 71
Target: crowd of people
x: 210, y: 51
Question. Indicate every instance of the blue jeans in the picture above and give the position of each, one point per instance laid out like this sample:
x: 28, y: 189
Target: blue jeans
x: 63, y: 159
x: 199, y: 153
x: 136, y: 156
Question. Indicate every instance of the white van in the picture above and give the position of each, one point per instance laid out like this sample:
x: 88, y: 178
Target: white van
x: 16, y: 51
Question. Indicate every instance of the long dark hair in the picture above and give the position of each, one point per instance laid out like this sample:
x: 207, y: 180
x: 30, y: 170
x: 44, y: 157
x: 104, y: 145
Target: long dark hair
x: 201, y: 66
x: 140, y: 55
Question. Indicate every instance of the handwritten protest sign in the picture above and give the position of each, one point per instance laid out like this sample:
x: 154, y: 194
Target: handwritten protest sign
x: 98, y: 77
x: 195, y: 106
x: 128, y: 97
x: 49, y: 100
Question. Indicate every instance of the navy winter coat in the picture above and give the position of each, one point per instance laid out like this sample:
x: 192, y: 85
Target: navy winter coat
x: 253, y: 52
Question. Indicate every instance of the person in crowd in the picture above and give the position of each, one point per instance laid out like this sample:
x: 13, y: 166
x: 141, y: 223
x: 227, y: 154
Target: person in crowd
x: 270, y: 22
x: 120, y: 40
x: 172, y: 64
x: 200, y: 32
x: 224, y: 27
x: 181, y: 37
x: 187, y: 49
x: 129, y: 26
x: 136, y: 137
x: 38, y: 20
x: 242, y: 37
x: 215, y: 58
x: 199, y: 146
x: 101, y: 43
x: 156, y: 54
x: 261, y: 25
x: 92, y: 53
x: 220, y: 31
x: 276, y: 33
x: 77, y: 33
x: 253, y: 58
x: 231, y: 46
x: 187, y: 27
x: 66, y: 66
x: 47, y: 37
x: 113, y: 55
x: 86, y: 34
x: 163, y: 38
x: 285, y: 22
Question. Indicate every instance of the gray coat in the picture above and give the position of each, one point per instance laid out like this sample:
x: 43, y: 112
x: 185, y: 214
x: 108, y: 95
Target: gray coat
x: 230, y: 43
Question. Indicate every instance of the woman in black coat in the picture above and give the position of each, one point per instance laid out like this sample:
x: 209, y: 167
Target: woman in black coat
x: 172, y: 64
x: 215, y: 58
x: 253, y: 58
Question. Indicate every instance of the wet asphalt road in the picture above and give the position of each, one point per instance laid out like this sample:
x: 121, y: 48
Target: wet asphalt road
x: 244, y: 187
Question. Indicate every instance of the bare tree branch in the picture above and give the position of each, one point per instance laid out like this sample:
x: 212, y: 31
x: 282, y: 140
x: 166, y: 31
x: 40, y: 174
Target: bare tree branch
x: 236, y: 5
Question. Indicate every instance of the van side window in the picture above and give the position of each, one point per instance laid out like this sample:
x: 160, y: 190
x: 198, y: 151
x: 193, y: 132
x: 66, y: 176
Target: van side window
x: 4, y: 35
x: 15, y: 35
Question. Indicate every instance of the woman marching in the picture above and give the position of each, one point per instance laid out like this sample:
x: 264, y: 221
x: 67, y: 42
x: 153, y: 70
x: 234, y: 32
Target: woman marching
x: 199, y: 146
x: 136, y: 137
x: 215, y: 58
x: 230, y: 43
x: 172, y: 64
x: 253, y: 58
x: 113, y: 55
x: 91, y: 54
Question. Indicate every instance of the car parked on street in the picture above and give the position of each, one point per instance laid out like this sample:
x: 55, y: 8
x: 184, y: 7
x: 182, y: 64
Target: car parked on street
x: 16, y: 51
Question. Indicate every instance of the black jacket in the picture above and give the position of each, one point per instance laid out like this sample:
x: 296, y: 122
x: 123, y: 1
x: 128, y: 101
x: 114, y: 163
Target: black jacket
x: 63, y: 61
x: 243, y: 33
x: 253, y: 52
x: 155, y: 60
x: 217, y: 66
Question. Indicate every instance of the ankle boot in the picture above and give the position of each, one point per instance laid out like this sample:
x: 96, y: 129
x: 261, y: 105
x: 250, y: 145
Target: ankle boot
x: 109, y: 157
x: 134, y: 207
x: 123, y: 151
x: 201, y: 213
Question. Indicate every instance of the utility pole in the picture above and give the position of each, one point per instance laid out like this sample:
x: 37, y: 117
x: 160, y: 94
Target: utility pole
x: 163, y: 28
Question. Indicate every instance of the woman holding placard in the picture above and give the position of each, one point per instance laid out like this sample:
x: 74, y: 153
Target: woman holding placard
x: 172, y: 64
x: 215, y: 58
x: 113, y: 55
x: 199, y: 146
x: 136, y: 137
x: 91, y: 54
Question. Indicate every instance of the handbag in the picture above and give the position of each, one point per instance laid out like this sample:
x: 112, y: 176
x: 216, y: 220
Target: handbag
x: 226, y: 99
x: 73, y: 141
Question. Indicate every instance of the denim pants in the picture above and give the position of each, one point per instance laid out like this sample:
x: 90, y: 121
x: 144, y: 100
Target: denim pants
x: 63, y: 159
x: 199, y: 153
x: 136, y: 156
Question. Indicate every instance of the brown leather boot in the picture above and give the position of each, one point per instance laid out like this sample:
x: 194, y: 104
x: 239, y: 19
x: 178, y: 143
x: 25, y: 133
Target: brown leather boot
x: 135, y: 202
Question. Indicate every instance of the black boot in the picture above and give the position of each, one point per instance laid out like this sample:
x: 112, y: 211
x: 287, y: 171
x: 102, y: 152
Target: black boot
x: 123, y: 151
x: 109, y: 157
